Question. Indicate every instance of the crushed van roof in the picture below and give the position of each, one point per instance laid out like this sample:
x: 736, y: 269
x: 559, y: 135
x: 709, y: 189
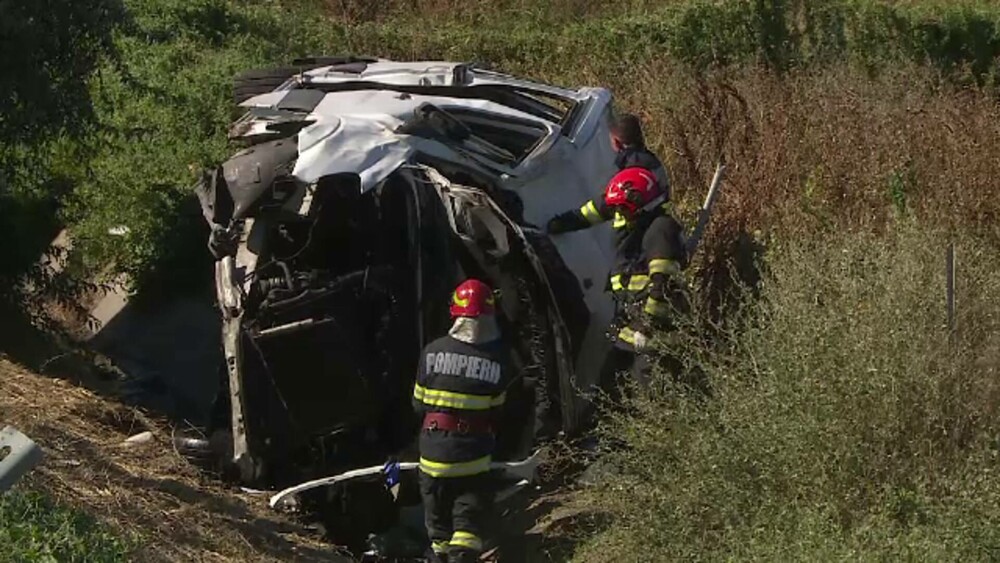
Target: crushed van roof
x: 351, y: 114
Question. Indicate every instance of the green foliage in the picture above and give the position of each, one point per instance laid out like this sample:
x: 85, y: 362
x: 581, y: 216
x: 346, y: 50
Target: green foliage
x: 962, y: 39
x: 48, y: 52
x: 164, y: 111
x: 844, y: 423
x: 33, y: 528
x: 50, y: 48
x: 162, y: 100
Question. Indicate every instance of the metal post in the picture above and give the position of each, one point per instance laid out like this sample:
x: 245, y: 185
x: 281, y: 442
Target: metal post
x: 18, y: 455
x: 706, y: 210
x: 950, y: 285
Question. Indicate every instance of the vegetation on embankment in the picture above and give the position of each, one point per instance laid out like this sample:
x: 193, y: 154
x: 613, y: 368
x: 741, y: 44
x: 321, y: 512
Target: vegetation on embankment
x: 95, y: 498
x: 845, y: 422
x: 861, y: 137
x: 36, y: 529
x: 159, y: 103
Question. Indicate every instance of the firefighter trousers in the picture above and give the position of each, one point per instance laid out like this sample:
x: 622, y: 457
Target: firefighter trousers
x: 621, y: 364
x: 456, y: 510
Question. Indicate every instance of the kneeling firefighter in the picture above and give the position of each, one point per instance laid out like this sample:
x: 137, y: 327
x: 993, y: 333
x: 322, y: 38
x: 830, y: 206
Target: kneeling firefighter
x: 646, y: 280
x: 459, y: 388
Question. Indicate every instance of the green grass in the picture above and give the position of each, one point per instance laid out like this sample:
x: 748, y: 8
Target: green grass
x: 33, y: 528
x: 163, y: 107
x: 845, y: 423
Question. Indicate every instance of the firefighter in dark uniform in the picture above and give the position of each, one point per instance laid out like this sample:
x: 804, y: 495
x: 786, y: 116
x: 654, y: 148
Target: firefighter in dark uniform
x: 460, y: 386
x: 646, y: 280
x: 629, y: 145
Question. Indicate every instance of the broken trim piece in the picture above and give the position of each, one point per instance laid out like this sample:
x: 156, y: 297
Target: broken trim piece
x: 523, y: 470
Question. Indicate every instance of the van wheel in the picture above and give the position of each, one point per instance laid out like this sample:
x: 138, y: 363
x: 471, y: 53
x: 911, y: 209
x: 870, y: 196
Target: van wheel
x: 260, y: 81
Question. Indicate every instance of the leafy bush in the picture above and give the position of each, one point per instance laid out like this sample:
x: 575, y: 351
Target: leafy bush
x: 961, y: 38
x: 48, y: 52
x: 32, y: 528
x: 162, y: 104
x: 845, y: 421
x: 164, y: 110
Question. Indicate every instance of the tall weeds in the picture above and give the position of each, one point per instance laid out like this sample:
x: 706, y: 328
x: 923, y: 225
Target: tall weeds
x: 845, y: 421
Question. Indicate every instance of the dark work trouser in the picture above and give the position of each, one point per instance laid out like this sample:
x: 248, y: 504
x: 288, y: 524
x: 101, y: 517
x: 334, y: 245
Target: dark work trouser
x: 456, y: 510
x: 620, y: 365
x: 623, y: 365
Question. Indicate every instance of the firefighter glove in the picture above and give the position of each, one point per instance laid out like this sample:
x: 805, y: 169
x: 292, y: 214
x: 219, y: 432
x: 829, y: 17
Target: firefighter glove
x: 640, y: 341
x: 564, y: 222
x: 391, y: 471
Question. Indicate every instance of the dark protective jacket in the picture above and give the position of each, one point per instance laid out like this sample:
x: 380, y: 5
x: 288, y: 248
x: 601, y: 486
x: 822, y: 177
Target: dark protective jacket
x: 595, y: 211
x: 467, y: 380
x: 650, y: 254
x: 630, y: 157
x: 647, y: 279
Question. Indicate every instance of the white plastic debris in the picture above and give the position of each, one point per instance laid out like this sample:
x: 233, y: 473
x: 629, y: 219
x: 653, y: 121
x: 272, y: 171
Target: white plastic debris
x: 140, y: 438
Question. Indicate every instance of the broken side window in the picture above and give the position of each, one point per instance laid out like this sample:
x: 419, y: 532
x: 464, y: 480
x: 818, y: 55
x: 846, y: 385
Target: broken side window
x: 515, y: 137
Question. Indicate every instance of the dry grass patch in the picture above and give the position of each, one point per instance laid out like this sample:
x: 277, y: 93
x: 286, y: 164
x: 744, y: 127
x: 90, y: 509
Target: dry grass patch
x: 145, y: 491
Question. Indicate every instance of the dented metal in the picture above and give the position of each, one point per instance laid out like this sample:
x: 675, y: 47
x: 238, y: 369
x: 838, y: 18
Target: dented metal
x: 368, y: 190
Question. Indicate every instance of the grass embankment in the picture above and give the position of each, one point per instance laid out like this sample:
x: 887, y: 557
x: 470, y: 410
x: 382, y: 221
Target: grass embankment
x: 95, y: 498
x: 860, y: 135
x: 845, y: 421
x: 36, y: 529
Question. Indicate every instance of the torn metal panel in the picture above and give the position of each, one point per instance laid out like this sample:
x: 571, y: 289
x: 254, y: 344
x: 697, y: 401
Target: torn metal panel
x: 431, y: 73
x: 252, y: 172
x: 370, y: 149
x: 231, y: 274
x: 467, y: 200
x: 349, y: 145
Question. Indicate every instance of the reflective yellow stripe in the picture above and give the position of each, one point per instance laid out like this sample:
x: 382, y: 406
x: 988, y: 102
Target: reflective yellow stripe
x: 466, y: 540
x: 452, y: 400
x: 664, y: 266
x: 627, y: 335
x: 439, y: 547
x: 465, y: 469
x: 616, y: 283
x: 636, y: 282
x: 620, y: 221
x: 657, y: 308
x: 591, y: 214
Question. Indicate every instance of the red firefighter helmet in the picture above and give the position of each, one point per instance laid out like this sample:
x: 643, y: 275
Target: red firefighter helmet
x: 632, y: 190
x: 472, y: 298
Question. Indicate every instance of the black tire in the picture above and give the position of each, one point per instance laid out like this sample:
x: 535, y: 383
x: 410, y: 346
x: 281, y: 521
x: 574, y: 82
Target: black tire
x: 260, y: 81
x: 263, y: 80
x: 316, y: 62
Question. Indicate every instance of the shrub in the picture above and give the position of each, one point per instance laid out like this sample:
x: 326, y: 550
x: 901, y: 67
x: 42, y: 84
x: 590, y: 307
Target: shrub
x: 845, y: 422
x: 162, y: 104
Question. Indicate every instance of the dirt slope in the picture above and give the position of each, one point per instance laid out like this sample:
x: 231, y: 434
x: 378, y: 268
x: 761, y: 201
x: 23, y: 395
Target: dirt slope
x: 146, y: 489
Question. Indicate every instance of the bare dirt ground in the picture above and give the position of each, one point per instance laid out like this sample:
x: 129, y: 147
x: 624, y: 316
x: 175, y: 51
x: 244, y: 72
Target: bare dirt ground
x: 147, y: 489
